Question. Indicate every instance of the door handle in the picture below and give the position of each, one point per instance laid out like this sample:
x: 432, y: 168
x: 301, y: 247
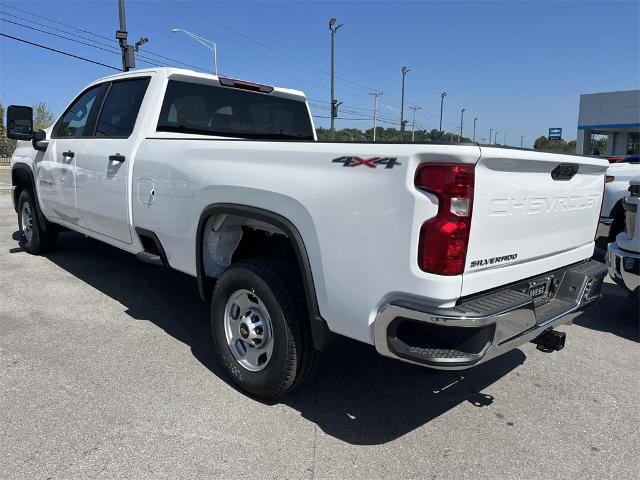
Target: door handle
x: 68, y: 153
x: 116, y: 158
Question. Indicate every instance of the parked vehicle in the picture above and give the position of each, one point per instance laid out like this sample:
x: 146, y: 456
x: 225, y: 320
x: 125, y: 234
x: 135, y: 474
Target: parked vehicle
x: 616, y: 188
x: 623, y: 256
x: 437, y: 254
x: 634, y: 158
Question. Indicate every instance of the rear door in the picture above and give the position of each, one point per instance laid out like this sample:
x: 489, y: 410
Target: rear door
x: 103, y: 166
x: 530, y: 206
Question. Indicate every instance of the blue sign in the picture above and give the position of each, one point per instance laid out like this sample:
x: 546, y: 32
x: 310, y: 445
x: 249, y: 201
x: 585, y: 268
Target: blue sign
x: 555, y: 133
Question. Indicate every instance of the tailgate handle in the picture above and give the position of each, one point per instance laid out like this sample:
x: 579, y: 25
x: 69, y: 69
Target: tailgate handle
x: 564, y: 171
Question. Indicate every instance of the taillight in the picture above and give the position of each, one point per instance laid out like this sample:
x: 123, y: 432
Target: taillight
x: 609, y: 178
x: 444, y: 238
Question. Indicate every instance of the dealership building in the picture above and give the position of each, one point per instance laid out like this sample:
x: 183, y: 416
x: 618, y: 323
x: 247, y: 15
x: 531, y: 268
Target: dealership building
x: 614, y: 114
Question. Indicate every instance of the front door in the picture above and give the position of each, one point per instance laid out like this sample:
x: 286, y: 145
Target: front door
x: 56, y: 171
x: 103, y: 167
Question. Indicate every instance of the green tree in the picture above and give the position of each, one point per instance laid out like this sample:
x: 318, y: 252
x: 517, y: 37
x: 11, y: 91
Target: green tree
x: 42, y: 116
x: 541, y: 143
x: 2, y: 131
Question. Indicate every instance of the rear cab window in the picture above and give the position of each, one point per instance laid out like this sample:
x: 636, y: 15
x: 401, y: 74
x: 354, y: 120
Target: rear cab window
x: 201, y: 109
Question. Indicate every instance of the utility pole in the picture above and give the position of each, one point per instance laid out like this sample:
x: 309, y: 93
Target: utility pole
x: 375, y: 111
x: 461, y: 120
x: 404, y: 71
x: 128, y: 51
x: 490, y: 135
x: 521, y: 140
x: 128, y: 57
x: 413, y: 125
x: 474, y: 128
x: 442, y: 95
x: 334, y: 103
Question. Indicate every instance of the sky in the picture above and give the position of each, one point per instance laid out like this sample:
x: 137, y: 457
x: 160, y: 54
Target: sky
x: 518, y: 66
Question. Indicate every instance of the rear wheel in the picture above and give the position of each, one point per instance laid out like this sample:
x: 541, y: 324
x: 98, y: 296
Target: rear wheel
x: 34, y: 238
x: 260, y: 328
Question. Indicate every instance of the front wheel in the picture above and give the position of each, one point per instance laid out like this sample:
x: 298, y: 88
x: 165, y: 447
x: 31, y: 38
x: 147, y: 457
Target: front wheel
x: 33, y: 237
x: 260, y: 327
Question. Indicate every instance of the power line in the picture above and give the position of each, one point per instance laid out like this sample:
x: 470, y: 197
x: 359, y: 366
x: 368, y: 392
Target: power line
x: 58, y: 51
x: 362, y: 88
x: 148, y: 52
x: 264, y: 45
x: 73, y: 40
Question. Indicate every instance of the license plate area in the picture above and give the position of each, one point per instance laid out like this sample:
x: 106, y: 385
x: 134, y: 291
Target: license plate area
x: 540, y: 289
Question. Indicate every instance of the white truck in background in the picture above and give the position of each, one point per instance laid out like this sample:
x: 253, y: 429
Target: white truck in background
x: 623, y: 255
x: 437, y: 254
x: 612, y: 216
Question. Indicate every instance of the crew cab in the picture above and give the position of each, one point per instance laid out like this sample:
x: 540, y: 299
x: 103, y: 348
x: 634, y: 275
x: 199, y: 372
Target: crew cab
x: 441, y: 255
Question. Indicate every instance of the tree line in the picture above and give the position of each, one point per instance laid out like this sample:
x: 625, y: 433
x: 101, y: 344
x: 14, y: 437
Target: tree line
x: 599, y: 147
x: 388, y: 135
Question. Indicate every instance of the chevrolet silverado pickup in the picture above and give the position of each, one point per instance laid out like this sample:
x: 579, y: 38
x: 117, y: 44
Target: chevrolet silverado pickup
x: 442, y: 255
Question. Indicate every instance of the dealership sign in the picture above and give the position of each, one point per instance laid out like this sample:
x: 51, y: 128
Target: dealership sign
x: 555, y: 133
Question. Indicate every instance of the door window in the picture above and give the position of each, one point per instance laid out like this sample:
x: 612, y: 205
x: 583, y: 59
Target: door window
x: 120, y: 110
x: 73, y: 123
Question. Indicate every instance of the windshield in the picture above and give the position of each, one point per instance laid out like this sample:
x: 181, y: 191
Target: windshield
x: 211, y: 110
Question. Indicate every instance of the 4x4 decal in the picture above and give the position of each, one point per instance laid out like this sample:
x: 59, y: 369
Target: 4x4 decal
x: 373, y: 162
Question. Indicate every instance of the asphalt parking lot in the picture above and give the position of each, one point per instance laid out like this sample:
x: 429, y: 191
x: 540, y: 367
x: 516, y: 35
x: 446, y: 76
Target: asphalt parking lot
x: 106, y: 372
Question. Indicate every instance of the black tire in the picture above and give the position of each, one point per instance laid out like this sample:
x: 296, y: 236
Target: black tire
x: 293, y: 358
x: 40, y: 240
x: 617, y: 224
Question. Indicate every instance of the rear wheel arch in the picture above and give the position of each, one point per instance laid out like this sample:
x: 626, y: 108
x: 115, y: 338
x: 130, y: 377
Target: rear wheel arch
x: 319, y: 329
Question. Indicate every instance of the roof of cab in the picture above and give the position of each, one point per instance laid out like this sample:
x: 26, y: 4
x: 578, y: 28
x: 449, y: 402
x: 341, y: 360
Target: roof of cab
x: 171, y: 71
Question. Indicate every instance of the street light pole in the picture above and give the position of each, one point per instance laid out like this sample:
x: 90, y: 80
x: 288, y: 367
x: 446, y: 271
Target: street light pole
x: 375, y: 111
x: 474, y: 128
x: 495, y: 138
x: 413, y: 124
x: 461, y: 120
x: 334, y: 104
x: 490, y: 135
x: 404, y: 71
x: 203, y: 41
x: 442, y: 95
x: 521, y: 140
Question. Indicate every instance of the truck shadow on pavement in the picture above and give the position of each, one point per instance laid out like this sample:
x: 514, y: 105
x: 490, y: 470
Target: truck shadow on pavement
x: 356, y: 395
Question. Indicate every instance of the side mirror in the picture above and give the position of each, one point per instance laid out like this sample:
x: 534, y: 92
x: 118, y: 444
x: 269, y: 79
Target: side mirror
x: 20, y: 122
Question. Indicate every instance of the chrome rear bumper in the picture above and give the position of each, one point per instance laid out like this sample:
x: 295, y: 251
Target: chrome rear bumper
x: 483, y: 326
x: 624, y: 267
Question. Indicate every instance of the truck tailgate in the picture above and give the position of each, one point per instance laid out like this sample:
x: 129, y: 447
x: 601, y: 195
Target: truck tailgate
x: 529, y: 207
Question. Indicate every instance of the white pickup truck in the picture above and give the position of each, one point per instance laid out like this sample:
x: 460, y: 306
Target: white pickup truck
x: 440, y: 255
x: 612, y: 216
